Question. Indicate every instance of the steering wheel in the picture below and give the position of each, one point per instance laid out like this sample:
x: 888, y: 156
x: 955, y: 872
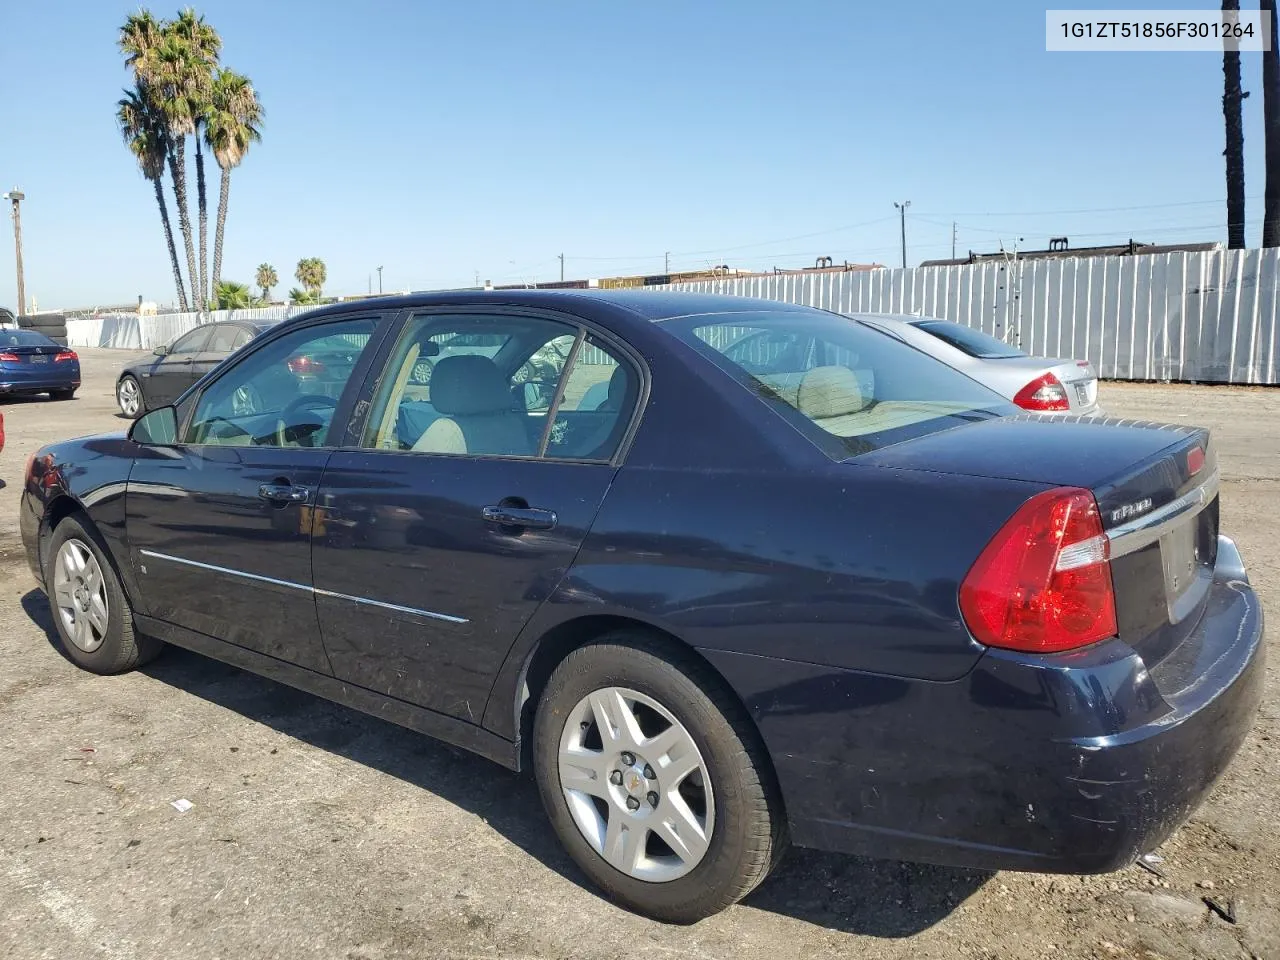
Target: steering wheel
x: 307, y: 401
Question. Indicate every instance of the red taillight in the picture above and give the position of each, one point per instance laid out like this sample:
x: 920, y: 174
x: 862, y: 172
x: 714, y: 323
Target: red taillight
x: 304, y: 365
x: 1043, y: 583
x: 9, y: 358
x: 1043, y: 393
x: 67, y: 355
x: 1195, y: 460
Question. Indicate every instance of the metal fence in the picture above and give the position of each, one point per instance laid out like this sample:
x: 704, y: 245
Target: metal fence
x: 1208, y: 317
x: 133, y: 332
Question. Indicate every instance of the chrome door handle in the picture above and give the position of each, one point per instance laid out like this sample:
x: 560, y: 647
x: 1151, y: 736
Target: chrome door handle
x: 284, y: 493
x: 530, y: 518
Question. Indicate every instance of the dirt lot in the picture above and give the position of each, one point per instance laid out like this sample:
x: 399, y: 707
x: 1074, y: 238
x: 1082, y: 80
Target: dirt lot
x: 318, y: 832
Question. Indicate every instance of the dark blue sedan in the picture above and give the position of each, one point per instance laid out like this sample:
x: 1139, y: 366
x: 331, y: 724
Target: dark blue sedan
x: 822, y: 589
x: 32, y: 363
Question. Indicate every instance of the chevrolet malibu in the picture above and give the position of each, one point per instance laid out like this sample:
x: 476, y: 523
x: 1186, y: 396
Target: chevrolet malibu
x: 871, y: 607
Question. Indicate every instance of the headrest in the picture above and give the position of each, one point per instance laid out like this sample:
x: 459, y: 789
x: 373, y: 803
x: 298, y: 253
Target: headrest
x: 830, y: 392
x: 619, y: 384
x: 468, y: 384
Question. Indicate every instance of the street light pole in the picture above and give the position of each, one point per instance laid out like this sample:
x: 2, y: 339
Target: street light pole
x: 379, y: 281
x: 16, y: 196
x: 903, y: 208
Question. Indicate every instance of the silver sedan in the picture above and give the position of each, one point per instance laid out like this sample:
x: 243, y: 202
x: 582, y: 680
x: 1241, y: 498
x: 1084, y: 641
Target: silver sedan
x: 1033, y: 383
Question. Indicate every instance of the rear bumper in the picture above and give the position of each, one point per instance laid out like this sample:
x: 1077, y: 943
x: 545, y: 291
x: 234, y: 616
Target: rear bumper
x: 11, y: 383
x: 1073, y: 763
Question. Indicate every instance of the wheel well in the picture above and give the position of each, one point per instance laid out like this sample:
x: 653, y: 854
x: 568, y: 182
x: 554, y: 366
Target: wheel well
x: 61, y: 508
x: 560, y: 641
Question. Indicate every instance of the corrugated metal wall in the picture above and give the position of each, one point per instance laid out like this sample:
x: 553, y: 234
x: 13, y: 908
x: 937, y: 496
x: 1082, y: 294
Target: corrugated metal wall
x: 130, y: 331
x: 1209, y: 317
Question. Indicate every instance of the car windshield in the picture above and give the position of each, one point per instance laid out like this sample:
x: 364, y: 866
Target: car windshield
x: 24, y: 338
x: 845, y: 385
x: 968, y: 340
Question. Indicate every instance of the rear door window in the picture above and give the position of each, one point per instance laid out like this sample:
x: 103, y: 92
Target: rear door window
x: 501, y: 386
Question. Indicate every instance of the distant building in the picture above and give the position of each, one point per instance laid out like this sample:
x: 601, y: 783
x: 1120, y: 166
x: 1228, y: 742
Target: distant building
x: 1059, y: 249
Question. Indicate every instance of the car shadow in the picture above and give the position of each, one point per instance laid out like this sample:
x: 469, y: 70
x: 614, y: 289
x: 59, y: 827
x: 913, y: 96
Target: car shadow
x: 878, y: 898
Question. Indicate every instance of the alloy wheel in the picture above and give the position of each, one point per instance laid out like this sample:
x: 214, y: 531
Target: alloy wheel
x: 636, y: 785
x: 80, y: 595
x: 128, y: 398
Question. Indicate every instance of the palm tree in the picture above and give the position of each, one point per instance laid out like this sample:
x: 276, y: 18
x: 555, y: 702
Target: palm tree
x: 173, y: 64
x: 143, y: 130
x: 231, y: 124
x: 1271, y: 126
x: 233, y: 296
x: 301, y: 296
x: 266, y: 278
x: 201, y: 46
x: 311, y: 274
x: 1232, y: 100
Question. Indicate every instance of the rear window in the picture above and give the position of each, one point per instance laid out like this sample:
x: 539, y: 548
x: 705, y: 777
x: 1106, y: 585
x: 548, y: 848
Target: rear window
x: 848, y: 387
x: 24, y: 338
x: 973, y: 342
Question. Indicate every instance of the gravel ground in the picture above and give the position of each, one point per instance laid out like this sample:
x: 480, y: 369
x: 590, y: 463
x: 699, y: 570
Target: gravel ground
x: 319, y: 832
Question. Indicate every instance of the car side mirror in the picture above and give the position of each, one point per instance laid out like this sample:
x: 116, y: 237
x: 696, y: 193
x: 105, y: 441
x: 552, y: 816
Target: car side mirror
x: 161, y: 351
x: 159, y: 428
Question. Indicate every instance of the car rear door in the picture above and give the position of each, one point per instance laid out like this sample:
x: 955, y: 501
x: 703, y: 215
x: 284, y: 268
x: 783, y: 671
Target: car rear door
x: 173, y: 373
x: 219, y: 526
x: 437, y: 537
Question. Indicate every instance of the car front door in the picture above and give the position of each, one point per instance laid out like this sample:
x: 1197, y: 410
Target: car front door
x: 172, y: 373
x: 224, y: 339
x: 219, y: 525
x: 466, y: 500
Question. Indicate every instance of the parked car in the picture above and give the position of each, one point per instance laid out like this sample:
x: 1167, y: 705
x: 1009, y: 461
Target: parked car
x: 176, y: 366
x: 1040, y: 384
x: 874, y: 609
x: 31, y: 363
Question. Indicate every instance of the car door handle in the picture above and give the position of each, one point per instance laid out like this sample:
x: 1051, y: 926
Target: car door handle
x: 284, y: 493
x: 531, y: 518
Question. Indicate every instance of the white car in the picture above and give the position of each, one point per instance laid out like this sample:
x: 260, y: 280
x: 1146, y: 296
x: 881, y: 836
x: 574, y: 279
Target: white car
x: 1040, y: 384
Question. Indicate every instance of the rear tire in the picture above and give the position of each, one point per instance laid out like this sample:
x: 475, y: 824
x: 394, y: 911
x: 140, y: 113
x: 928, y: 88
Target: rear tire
x: 90, y: 611
x: 712, y: 793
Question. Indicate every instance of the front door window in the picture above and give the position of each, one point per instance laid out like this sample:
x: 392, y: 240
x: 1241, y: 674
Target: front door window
x: 283, y: 395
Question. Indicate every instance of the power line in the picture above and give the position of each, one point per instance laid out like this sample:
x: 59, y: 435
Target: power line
x: 1046, y: 213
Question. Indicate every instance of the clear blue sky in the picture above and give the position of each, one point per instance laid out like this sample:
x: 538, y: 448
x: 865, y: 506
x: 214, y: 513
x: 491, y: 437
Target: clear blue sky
x: 442, y: 140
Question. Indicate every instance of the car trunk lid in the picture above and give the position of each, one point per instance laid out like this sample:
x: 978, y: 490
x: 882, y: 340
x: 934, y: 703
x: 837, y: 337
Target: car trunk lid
x: 31, y: 353
x: 1156, y: 486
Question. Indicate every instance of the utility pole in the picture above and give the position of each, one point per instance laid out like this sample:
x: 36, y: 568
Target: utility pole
x: 379, y: 281
x: 666, y: 262
x: 562, y: 268
x: 16, y: 196
x: 953, y: 239
x: 903, y: 208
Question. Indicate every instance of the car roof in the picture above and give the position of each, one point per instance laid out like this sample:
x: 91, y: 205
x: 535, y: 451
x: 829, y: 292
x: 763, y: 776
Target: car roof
x: 649, y: 305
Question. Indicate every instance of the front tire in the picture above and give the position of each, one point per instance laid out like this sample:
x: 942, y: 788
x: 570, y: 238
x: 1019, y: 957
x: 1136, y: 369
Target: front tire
x: 90, y: 611
x: 129, y: 398
x: 655, y: 780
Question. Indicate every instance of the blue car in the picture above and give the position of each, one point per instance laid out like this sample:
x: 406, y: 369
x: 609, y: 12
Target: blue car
x: 32, y: 363
x: 820, y: 588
